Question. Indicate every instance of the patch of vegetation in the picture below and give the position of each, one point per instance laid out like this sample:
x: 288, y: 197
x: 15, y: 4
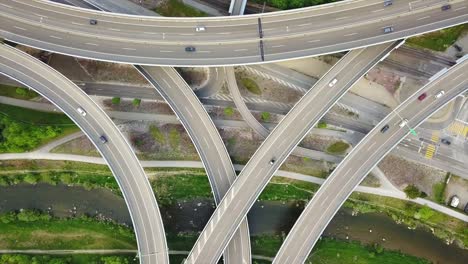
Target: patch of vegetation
x: 251, y: 85
x: 439, y: 40
x: 17, y: 92
x: 174, y: 138
x: 413, y: 192
x: 322, y: 124
x: 292, y: 4
x: 338, y: 148
x: 265, y: 116
x: 231, y: 142
x: 33, y: 230
x: 67, y: 259
x: 157, y: 134
x: 438, y: 190
x: 34, y: 117
x: 284, y: 189
x: 228, y: 111
x: 169, y: 189
x: 116, y: 100
x: 176, y: 8
x: 136, y: 102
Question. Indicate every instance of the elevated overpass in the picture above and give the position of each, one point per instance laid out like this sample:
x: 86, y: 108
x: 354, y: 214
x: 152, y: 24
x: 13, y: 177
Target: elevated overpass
x: 232, y: 40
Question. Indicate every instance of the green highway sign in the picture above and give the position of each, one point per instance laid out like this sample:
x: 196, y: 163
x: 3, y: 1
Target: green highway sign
x: 413, y: 132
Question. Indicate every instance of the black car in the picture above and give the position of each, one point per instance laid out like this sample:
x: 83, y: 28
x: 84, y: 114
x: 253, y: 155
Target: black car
x: 93, y: 22
x: 384, y: 129
x: 103, y: 139
x: 445, y: 141
x: 466, y: 208
x: 388, y: 2
x: 190, y: 49
x: 446, y: 7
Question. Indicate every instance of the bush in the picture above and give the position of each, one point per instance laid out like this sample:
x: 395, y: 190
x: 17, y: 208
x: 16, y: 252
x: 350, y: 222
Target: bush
x: 322, y: 124
x: 251, y: 85
x: 157, y: 134
x: 265, y: 116
x: 412, y: 192
x: 338, y: 147
x: 136, y: 102
x: 21, y: 91
x: 116, y: 100
x: 228, y: 111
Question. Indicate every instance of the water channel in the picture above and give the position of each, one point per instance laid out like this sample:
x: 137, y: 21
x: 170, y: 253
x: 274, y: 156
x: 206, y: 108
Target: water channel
x: 265, y: 217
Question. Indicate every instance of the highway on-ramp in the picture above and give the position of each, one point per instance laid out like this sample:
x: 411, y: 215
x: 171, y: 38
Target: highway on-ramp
x: 136, y: 189
x: 366, y: 155
x: 207, y: 141
x: 227, y: 40
x: 275, y: 149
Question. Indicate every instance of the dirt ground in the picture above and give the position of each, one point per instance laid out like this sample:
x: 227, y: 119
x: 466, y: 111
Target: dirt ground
x: 241, y: 143
x: 318, y: 142
x: 149, y: 4
x: 78, y: 146
x: 313, y: 67
x: 195, y: 77
x: 308, y: 166
x: 271, y: 90
x: 146, y: 106
x: 217, y: 112
x: 113, y: 72
x: 457, y: 186
x: 402, y: 173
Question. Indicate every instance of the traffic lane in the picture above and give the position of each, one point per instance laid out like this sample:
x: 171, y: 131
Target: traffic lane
x: 89, y: 124
x: 337, y: 189
x: 259, y: 169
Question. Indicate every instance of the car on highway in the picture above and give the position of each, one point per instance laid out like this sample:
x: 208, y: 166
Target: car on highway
x: 422, y: 96
x: 384, y: 128
x: 440, y: 94
x: 272, y: 161
x: 190, y: 49
x: 387, y: 30
x: 333, y: 82
x: 446, y: 7
x: 403, y: 122
x: 81, y: 111
x: 103, y: 139
x: 200, y: 28
x: 446, y: 141
x: 93, y: 22
x: 388, y: 3
x: 455, y: 201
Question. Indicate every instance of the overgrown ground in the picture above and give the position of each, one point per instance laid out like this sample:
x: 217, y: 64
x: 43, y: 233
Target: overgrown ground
x: 176, y: 8
x: 439, y: 40
x: 17, y: 92
x: 68, y: 259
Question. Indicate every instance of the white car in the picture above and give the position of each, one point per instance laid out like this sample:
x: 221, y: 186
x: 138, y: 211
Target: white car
x: 439, y: 94
x: 200, y: 28
x: 333, y: 82
x: 403, y: 122
x: 81, y: 111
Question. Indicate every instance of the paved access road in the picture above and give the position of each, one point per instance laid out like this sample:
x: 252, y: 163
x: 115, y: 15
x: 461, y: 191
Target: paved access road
x: 207, y: 141
x: 227, y: 40
x: 117, y: 152
x: 367, y: 154
x: 277, y: 147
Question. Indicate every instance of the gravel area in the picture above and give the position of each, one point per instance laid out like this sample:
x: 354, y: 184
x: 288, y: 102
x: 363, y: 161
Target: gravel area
x: 459, y: 187
x: 402, y: 173
x: 105, y: 71
x: 217, y: 112
x: 318, y: 142
x: 146, y: 106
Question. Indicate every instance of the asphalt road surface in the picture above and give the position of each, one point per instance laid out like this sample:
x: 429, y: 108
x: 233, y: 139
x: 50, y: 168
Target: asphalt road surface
x: 227, y: 40
x: 277, y: 147
x: 366, y: 155
x: 117, y: 152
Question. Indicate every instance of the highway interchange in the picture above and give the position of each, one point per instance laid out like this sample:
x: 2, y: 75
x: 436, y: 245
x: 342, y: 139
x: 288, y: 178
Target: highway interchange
x: 57, y: 28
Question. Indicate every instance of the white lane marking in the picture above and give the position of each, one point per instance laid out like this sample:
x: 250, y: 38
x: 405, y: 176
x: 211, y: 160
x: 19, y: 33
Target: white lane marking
x: 267, y: 29
x: 458, y: 76
x: 303, y: 25
x: 421, y: 18
x: 312, y: 41
x: 351, y: 34
x: 378, y: 10
x: 166, y: 51
x: 114, y: 29
x: 223, y: 33
x: 204, y: 51
x: 277, y: 46
x: 371, y: 145
x: 187, y: 34
x: 92, y: 44
x: 128, y: 49
x: 151, y: 33
x: 41, y: 15
x: 460, y: 8
x: 241, y: 50
x: 340, y: 18
x: 55, y: 37
x: 6, y: 5
x: 19, y: 28
x: 78, y: 24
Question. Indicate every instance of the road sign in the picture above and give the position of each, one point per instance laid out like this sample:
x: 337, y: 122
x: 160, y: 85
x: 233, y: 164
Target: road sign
x: 413, y: 132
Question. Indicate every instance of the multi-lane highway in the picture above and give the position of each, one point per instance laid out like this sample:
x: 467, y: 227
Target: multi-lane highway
x: 352, y: 170
x: 116, y: 151
x: 226, y: 40
x: 207, y: 141
x: 276, y: 148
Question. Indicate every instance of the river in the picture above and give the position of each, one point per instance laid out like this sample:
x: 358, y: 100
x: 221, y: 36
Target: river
x: 265, y: 217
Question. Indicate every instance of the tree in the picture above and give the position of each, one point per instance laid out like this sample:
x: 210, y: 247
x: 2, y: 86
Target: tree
x: 116, y: 100
x: 265, y: 116
x: 412, y: 191
x: 136, y: 102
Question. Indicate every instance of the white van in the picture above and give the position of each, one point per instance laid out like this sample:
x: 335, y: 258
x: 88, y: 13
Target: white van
x: 200, y: 28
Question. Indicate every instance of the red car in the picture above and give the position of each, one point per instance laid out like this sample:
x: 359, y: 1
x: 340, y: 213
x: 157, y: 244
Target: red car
x: 422, y: 96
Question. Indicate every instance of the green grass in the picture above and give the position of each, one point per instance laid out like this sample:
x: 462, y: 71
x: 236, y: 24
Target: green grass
x: 338, y: 147
x: 322, y: 124
x: 176, y: 8
x: 266, y: 116
x: 17, y: 92
x: 157, y: 134
x: 284, y: 189
x: 251, y: 85
x: 292, y: 4
x: 169, y: 189
x: 68, y: 259
x: 228, y: 111
x: 34, y: 117
x: 439, y: 40
x: 438, y: 190
x: 174, y: 138
x: 56, y: 233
